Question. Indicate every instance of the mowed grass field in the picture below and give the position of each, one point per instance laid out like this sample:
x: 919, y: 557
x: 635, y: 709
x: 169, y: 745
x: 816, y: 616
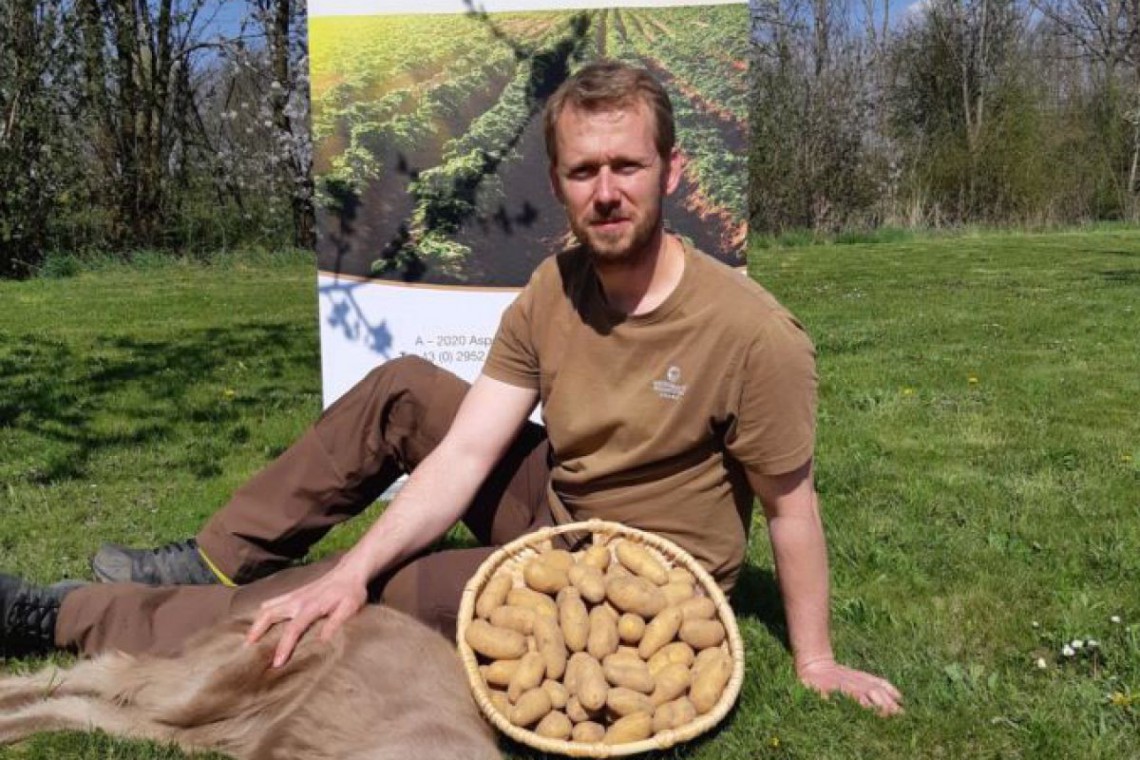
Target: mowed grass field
x: 978, y: 467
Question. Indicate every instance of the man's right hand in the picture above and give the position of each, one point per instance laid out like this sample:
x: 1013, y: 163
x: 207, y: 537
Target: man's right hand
x: 434, y: 497
x: 334, y: 597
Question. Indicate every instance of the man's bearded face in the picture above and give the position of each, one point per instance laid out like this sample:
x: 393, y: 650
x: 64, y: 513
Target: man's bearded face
x: 612, y: 180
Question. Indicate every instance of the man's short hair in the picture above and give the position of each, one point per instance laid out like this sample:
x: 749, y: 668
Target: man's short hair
x: 607, y: 85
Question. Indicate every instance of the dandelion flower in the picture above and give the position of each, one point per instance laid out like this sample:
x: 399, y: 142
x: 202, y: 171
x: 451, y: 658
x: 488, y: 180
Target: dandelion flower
x: 972, y: 379
x: 1115, y: 619
x: 908, y: 391
x: 1041, y: 664
x: 1035, y: 624
x: 1125, y: 458
x: 1067, y: 651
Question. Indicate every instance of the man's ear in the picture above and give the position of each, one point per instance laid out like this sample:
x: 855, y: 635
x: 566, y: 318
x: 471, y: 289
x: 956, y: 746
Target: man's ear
x: 673, y: 174
x: 552, y: 174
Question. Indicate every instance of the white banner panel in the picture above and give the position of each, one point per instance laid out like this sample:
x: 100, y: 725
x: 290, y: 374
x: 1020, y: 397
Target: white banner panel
x: 365, y: 323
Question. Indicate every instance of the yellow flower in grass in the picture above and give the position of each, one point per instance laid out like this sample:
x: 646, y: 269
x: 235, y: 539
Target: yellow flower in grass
x: 774, y: 742
x: 972, y: 379
x: 907, y: 392
x: 229, y: 393
x: 1126, y: 458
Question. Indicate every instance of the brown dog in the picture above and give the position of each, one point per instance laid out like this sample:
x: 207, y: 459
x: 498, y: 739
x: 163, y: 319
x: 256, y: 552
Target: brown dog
x: 384, y: 687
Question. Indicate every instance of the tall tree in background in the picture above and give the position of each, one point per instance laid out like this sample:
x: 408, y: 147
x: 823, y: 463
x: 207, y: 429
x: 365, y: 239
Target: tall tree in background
x: 1106, y: 35
x: 812, y: 117
x: 36, y: 51
x: 288, y: 102
x: 960, y: 103
x: 254, y: 103
x: 137, y: 62
x: 131, y: 124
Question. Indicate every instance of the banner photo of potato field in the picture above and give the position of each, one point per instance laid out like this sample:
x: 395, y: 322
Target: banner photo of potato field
x: 434, y: 204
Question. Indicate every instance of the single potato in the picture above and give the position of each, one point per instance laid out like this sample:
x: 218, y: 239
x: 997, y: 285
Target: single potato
x: 631, y: 627
x: 678, y: 651
x: 499, y: 672
x: 550, y: 644
x: 592, y: 686
x: 672, y: 715
x: 603, y: 635
x: 554, y: 725
x: 659, y: 632
x: 639, y: 561
x: 702, y: 634
x: 493, y: 595
x: 589, y: 581
x: 631, y: 728
x: 597, y: 557
x: 709, y: 681
x: 588, y: 732
x: 621, y: 701
x: 630, y: 673
x: 519, y: 619
x: 671, y: 682
x: 528, y: 675
x: 544, y: 578
x: 574, y: 618
x: 636, y: 595
x: 698, y: 608
x: 540, y: 603
x: 530, y: 708
x: 494, y: 642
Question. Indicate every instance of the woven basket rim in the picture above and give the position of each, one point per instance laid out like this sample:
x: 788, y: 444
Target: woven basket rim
x: 661, y: 741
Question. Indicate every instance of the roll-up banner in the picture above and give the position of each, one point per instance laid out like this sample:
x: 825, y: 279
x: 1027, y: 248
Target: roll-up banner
x: 434, y: 203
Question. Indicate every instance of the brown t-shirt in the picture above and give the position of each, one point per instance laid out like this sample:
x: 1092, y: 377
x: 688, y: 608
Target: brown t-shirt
x: 653, y: 419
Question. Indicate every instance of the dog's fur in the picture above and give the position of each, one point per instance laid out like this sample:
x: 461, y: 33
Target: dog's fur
x: 384, y: 687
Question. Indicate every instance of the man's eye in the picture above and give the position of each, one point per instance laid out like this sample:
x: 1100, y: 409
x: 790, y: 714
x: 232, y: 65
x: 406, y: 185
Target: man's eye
x: 626, y: 168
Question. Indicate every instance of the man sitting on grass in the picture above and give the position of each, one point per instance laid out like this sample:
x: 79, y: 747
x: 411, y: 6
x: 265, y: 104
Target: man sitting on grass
x: 673, y: 389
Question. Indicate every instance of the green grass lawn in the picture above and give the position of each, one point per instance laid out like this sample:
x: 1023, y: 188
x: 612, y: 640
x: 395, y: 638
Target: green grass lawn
x: 978, y: 466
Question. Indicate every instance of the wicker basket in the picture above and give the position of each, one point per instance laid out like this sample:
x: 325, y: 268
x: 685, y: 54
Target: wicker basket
x: 514, y: 555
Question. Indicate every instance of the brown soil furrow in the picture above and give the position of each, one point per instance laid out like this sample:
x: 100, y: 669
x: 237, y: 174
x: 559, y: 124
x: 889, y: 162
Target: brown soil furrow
x: 600, y: 22
x: 733, y: 129
x: 662, y: 28
x: 641, y: 29
x: 731, y: 231
x: 379, y: 219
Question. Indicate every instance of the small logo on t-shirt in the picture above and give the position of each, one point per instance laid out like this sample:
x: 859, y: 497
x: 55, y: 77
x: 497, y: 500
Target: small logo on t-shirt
x: 670, y: 387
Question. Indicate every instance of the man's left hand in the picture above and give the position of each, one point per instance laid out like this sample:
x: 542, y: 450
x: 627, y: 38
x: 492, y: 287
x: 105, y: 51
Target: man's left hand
x: 828, y: 676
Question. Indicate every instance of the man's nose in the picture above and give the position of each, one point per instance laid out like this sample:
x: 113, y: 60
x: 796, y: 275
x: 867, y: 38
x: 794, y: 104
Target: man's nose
x: 606, y: 193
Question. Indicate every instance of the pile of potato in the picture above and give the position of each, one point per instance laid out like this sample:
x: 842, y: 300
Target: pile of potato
x: 603, y: 645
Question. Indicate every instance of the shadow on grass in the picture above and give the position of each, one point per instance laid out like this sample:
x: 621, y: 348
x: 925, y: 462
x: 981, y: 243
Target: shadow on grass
x: 75, y: 403
x: 1122, y: 276
x: 757, y: 597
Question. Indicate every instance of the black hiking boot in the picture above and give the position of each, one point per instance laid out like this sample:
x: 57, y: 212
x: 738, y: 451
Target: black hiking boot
x: 175, y: 564
x: 28, y: 614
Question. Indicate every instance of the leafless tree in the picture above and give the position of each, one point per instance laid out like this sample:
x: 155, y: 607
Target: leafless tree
x: 1106, y: 33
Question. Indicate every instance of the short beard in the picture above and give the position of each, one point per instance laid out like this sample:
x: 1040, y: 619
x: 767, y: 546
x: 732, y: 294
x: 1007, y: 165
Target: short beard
x: 640, y: 248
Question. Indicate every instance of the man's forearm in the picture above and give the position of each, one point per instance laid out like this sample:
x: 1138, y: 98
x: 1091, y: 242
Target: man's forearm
x: 800, y: 552
x: 432, y: 500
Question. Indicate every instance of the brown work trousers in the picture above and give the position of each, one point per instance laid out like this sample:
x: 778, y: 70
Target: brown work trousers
x: 383, y: 427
